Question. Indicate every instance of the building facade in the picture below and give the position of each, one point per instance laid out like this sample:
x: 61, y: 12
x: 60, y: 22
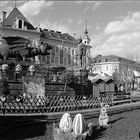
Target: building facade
x: 64, y: 46
x: 16, y: 25
x: 63, y: 50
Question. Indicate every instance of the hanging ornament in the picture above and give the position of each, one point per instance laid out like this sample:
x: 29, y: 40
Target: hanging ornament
x: 31, y: 69
x: 18, y: 68
x: 4, y: 67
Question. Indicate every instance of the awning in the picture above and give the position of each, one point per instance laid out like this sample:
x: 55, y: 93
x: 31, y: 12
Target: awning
x: 102, y: 76
x: 90, y: 78
x: 136, y: 73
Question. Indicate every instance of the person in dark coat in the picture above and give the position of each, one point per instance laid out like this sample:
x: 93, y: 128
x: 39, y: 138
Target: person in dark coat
x: 4, y: 89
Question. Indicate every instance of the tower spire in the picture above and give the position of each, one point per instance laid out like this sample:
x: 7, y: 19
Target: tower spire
x: 15, y: 3
x: 85, y: 30
x: 85, y: 38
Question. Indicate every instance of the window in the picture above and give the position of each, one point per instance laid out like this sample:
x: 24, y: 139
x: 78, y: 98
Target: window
x: 20, y: 24
x: 72, y: 62
x: 72, y: 51
x: 39, y: 57
x: 106, y: 67
x: 65, y: 50
x: 68, y: 50
x: 114, y: 67
x: 57, y: 49
x: 48, y: 59
x: 56, y: 60
x: 65, y: 61
x: 61, y: 56
x: 52, y: 54
x: 43, y: 58
x: 69, y: 59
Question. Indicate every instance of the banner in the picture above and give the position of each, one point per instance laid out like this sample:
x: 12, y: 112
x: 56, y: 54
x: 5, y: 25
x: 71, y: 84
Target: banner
x: 34, y: 86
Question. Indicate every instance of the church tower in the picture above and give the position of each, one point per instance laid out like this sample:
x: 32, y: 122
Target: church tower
x: 86, y: 39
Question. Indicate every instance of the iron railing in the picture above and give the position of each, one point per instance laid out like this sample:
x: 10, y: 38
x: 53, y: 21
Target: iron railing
x: 48, y: 104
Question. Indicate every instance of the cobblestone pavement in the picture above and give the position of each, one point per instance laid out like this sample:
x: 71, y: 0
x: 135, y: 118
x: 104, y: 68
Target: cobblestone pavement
x: 123, y: 126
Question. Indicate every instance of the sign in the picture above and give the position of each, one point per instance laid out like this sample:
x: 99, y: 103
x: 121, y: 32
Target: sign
x: 34, y: 86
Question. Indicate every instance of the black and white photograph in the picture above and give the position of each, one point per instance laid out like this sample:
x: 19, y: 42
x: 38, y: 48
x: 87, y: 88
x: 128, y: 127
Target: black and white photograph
x: 69, y: 70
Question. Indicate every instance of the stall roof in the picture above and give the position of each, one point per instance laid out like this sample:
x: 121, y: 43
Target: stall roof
x: 95, y: 81
x: 109, y: 80
x: 104, y: 77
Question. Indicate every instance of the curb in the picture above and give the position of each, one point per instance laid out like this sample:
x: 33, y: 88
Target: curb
x: 94, y: 113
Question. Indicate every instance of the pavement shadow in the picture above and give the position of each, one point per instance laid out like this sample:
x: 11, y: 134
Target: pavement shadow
x: 139, y: 134
x: 97, y: 133
x: 21, y: 132
x: 115, y: 120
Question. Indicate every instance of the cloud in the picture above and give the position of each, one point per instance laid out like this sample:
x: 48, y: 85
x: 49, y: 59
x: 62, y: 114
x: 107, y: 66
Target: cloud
x: 56, y: 26
x: 129, y: 23
x: 86, y: 9
x: 70, y: 21
x: 96, y: 43
x: 93, y: 5
x: 121, y: 44
x: 6, y: 9
x: 32, y: 8
x: 96, y: 5
x: 120, y: 37
x: 3, y: 3
x: 79, y: 2
x: 97, y: 27
x: 79, y: 22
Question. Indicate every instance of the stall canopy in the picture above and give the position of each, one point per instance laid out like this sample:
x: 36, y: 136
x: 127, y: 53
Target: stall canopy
x: 102, y: 76
x: 136, y: 73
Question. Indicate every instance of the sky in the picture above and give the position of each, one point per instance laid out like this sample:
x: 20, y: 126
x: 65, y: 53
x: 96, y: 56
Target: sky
x: 113, y: 26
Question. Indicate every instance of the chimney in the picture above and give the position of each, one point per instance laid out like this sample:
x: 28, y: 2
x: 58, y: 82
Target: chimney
x: 4, y: 15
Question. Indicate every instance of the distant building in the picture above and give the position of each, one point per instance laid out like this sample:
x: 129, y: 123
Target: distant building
x: 111, y: 63
x: 64, y: 46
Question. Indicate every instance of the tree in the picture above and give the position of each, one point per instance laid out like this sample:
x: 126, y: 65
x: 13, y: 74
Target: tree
x: 124, y: 75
